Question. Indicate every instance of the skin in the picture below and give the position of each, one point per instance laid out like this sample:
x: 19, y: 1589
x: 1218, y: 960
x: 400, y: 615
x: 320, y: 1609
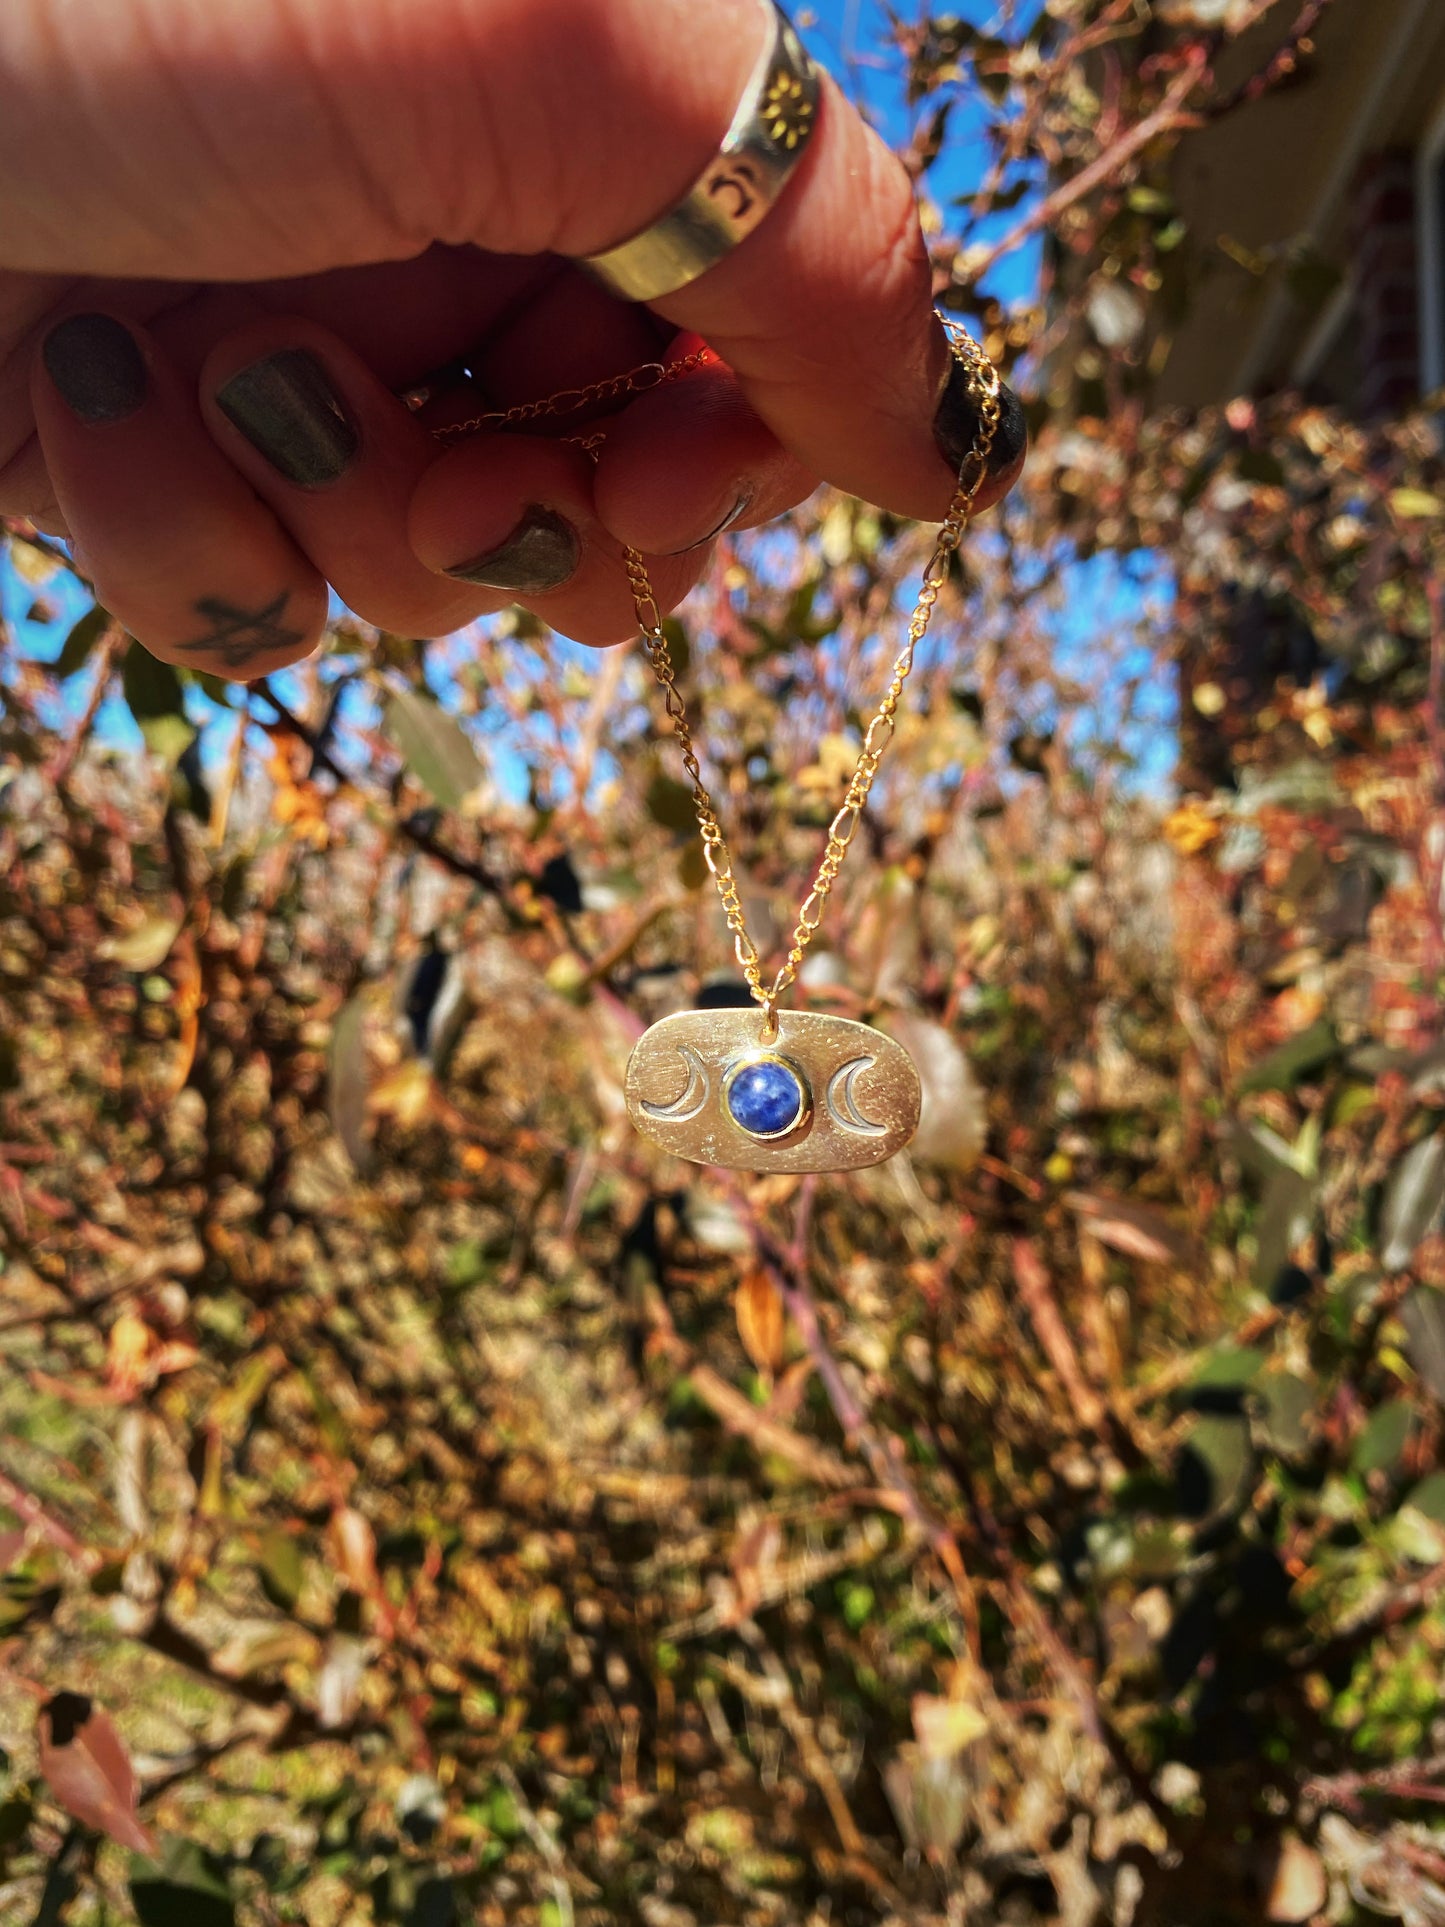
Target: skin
x: 389, y: 185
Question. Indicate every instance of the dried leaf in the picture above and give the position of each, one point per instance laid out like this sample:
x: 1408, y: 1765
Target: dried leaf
x: 1138, y: 1230
x: 1297, y: 1886
x: 146, y: 947
x: 87, y: 1768
x: 759, y: 1307
x: 946, y: 1726
x: 339, y: 1682
x: 353, y: 1547
x: 953, y: 1127
x: 930, y: 1799
x: 1192, y: 827
x: 404, y: 1093
x: 753, y: 1561
x: 434, y: 747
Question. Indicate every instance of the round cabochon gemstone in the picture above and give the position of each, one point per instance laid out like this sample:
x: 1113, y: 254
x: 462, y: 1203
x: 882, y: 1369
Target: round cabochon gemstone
x: 766, y: 1098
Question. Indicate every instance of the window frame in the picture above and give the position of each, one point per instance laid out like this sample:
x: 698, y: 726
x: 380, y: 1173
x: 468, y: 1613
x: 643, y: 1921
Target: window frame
x: 1430, y: 230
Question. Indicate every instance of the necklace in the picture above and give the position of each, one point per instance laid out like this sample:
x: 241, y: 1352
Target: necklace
x: 799, y: 1090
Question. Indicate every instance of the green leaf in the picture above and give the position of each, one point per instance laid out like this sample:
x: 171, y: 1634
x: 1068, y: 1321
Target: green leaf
x: 1149, y: 200
x: 1414, y: 504
x: 1379, y: 1446
x: 669, y: 803
x: 184, y: 1890
x: 801, y: 620
x: 151, y: 688
x: 1289, y: 1403
x: 347, y: 1082
x: 75, y: 650
x: 1414, y: 1201
x: 1429, y: 1497
x: 1215, y: 1466
x: 279, y: 1563
x: 1232, y: 1366
x: 1423, y: 1316
x: 434, y: 747
x: 1294, y: 1060
x: 1260, y: 465
x: 678, y: 646
x: 168, y: 737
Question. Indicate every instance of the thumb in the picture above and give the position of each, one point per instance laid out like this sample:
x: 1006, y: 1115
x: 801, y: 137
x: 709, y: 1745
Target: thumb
x: 245, y: 140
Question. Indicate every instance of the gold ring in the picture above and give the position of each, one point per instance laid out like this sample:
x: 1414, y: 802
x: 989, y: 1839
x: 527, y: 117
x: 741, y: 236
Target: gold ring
x: 772, y: 126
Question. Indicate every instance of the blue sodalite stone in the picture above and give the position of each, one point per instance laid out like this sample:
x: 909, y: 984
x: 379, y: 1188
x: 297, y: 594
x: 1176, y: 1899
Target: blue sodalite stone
x: 766, y: 1098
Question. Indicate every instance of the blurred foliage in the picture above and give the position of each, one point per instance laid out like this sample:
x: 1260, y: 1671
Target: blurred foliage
x: 419, y: 1503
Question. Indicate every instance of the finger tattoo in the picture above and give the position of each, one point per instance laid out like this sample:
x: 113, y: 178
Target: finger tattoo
x: 239, y: 635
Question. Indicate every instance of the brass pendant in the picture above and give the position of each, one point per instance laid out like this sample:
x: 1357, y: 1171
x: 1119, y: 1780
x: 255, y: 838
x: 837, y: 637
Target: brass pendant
x: 825, y: 1094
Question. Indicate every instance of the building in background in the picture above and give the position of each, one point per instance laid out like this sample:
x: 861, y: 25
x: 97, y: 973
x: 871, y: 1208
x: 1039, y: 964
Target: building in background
x: 1317, y: 221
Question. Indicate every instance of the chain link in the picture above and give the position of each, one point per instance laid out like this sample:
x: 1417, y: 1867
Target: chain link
x: 568, y: 401
x: 879, y: 733
x: 843, y: 828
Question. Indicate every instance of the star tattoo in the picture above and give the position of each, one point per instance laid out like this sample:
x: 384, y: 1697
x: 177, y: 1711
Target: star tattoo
x: 238, y: 635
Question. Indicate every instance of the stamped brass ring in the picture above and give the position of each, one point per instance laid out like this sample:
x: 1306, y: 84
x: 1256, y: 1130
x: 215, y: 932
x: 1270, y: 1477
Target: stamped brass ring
x: 770, y: 130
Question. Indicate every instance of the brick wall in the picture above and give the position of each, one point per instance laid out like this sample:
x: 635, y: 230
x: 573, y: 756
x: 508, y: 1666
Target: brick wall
x: 1387, y: 302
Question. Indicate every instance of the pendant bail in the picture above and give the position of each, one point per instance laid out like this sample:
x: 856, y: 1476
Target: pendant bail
x: 768, y: 1036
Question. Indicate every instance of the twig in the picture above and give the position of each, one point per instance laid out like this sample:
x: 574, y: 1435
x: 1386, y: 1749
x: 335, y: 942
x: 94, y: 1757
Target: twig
x: 422, y: 839
x: 182, y: 1260
x: 1282, y: 65
x: 1431, y: 857
x: 816, y: 1764
x: 543, y: 1842
x: 65, y: 758
x: 33, y: 1513
x: 787, y: 1266
x: 740, y: 1415
x: 1406, y: 1780
x: 1166, y: 117
x: 1037, y: 1292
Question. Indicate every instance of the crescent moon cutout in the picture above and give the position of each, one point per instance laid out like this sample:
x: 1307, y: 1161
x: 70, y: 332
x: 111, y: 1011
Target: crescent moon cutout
x: 695, y: 1092
x: 843, y: 1106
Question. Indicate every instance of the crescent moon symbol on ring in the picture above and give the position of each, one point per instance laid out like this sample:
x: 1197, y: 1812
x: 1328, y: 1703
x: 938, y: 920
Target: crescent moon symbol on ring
x: 694, y: 1094
x: 843, y: 1106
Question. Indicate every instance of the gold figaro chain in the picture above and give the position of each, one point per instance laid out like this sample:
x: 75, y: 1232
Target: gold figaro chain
x: 984, y: 387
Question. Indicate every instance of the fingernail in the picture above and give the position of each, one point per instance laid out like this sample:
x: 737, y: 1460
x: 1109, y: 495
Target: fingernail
x: 539, y: 554
x: 288, y: 410
x: 734, y: 514
x: 96, y: 366
x: 956, y: 423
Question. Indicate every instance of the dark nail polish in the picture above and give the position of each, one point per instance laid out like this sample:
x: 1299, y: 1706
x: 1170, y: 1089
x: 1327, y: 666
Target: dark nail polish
x: 288, y: 410
x: 956, y: 423
x: 539, y: 554
x: 97, y: 367
x: 734, y: 514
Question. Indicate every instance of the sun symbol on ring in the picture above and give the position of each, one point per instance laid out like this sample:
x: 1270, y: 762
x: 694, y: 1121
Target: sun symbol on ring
x: 786, y: 110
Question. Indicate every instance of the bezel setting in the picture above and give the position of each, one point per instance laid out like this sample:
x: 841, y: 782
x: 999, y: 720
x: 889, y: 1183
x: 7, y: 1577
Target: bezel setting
x: 800, y: 1123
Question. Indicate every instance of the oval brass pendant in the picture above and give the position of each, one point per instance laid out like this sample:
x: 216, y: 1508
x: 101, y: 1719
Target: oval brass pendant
x: 826, y: 1094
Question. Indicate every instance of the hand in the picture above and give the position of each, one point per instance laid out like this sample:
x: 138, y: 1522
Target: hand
x: 232, y: 230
